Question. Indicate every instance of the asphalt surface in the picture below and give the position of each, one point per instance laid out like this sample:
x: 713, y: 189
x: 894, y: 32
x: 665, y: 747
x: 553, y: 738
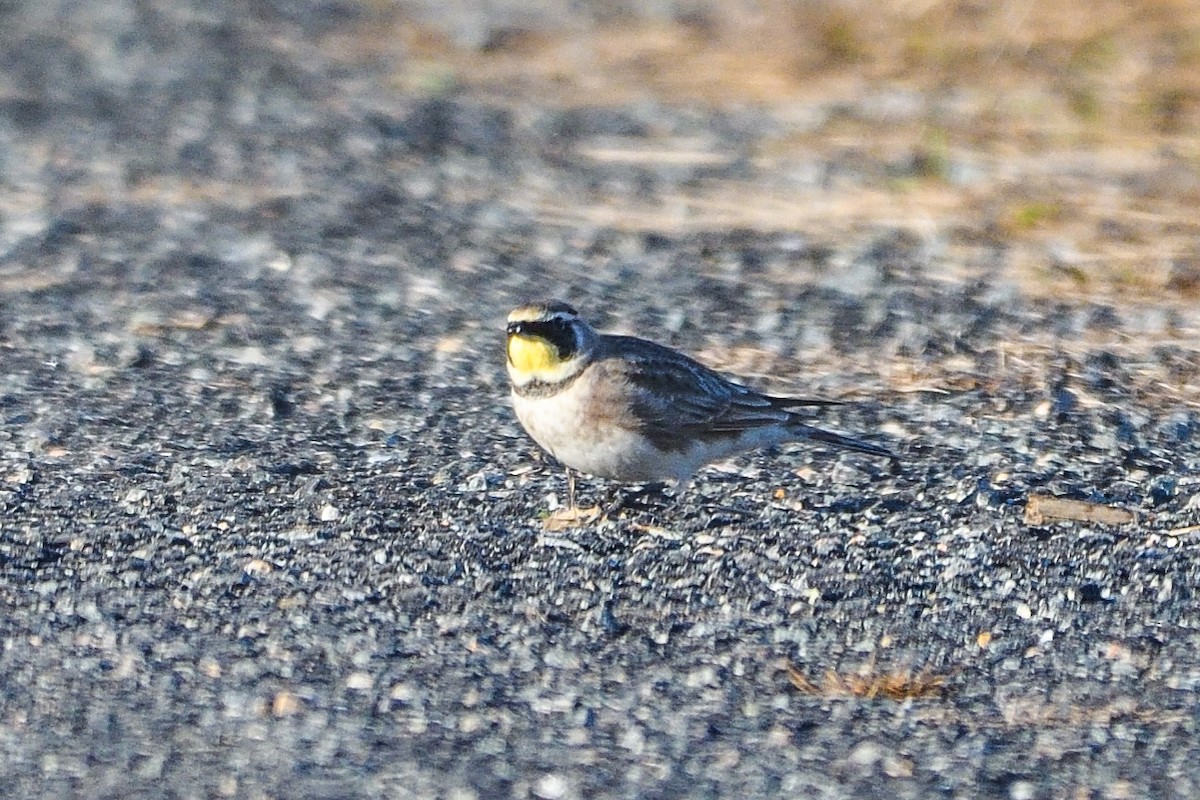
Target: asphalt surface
x: 268, y: 527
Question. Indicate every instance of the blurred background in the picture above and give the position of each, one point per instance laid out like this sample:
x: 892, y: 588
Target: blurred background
x: 1066, y: 132
x: 1055, y: 139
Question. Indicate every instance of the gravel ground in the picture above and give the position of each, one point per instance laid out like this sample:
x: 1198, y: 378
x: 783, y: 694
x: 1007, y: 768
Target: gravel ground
x: 270, y: 529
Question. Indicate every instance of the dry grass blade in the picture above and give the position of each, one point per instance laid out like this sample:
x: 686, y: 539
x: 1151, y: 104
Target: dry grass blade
x: 895, y: 685
x: 1041, y: 509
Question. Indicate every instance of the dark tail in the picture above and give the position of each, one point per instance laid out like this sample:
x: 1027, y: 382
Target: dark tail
x: 828, y: 437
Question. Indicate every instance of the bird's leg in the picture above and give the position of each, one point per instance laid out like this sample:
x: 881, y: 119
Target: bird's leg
x: 649, y: 497
x: 570, y: 515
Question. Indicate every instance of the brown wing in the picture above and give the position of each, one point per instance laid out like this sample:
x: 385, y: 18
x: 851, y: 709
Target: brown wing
x: 678, y: 399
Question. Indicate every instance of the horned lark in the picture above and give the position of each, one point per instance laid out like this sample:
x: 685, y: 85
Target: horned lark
x: 634, y: 411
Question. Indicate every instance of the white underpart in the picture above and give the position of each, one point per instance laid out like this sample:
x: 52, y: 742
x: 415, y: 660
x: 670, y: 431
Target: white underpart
x: 608, y: 451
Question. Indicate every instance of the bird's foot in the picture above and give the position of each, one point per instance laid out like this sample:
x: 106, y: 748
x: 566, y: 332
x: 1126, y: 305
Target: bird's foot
x: 567, y: 517
x: 648, y: 498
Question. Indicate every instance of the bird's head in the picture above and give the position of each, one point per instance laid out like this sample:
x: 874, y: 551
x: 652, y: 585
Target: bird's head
x: 547, y: 342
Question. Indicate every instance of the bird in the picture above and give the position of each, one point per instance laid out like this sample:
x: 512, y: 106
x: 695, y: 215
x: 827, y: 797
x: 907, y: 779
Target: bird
x: 631, y: 410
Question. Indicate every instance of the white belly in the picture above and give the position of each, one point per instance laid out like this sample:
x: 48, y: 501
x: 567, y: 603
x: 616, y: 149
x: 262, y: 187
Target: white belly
x: 605, y: 450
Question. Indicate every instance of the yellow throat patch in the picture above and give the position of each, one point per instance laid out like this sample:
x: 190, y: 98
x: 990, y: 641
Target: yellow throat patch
x: 533, y: 355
